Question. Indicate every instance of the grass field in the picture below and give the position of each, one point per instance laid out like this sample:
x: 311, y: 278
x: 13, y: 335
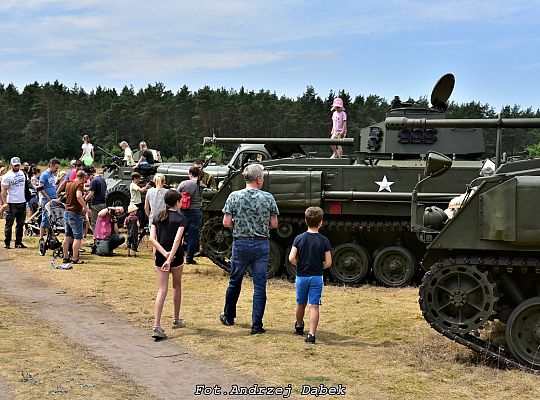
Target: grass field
x: 372, y: 340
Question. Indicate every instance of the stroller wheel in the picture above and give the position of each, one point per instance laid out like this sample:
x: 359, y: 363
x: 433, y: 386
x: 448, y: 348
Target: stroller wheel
x: 58, y: 253
x: 42, y: 247
x: 29, y: 232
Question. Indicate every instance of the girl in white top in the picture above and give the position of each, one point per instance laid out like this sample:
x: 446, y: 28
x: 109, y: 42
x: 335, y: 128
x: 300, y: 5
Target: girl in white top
x: 87, y: 156
x: 154, y: 200
x: 128, y: 154
x: 339, y: 126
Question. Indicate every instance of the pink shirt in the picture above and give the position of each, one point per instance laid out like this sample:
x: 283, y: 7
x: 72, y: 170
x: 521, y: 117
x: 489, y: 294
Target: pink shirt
x: 338, y: 120
x: 103, y: 227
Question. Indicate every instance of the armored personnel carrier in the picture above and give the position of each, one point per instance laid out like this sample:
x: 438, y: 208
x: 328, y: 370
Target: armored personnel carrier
x: 483, y: 264
x: 366, y: 197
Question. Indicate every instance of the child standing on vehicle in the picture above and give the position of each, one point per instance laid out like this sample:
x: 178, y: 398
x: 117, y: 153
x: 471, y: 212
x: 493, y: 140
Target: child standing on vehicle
x: 166, y: 238
x: 310, y: 253
x: 132, y: 224
x: 339, y: 126
x: 87, y: 156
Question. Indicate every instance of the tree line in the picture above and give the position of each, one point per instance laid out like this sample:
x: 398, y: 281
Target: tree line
x: 48, y: 120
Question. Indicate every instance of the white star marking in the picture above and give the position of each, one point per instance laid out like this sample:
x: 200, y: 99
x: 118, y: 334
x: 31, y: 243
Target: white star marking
x: 384, y: 184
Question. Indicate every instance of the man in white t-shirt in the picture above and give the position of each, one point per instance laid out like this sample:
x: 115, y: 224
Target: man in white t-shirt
x: 14, y: 200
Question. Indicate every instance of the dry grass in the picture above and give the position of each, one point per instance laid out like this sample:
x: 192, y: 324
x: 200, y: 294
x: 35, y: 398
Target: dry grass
x: 370, y: 339
x: 38, y: 361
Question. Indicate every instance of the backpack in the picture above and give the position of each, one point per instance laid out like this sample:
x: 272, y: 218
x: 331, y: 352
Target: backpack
x: 185, y: 202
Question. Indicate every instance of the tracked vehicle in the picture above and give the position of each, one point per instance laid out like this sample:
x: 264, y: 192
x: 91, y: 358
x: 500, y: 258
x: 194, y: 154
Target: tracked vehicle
x: 483, y: 265
x: 366, y: 197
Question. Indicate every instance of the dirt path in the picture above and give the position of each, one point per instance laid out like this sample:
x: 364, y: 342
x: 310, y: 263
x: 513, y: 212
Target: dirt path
x: 4, y: 394
x: 150, y: 364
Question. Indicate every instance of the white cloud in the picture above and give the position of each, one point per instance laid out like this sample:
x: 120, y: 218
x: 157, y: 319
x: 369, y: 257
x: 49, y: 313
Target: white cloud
x: 134, y: 36
x: 132, y: 64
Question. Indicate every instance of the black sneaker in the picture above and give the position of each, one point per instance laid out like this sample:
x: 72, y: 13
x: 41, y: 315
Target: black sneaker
x: 224, y: 320
x: 256, y: 331
x: 310, y: 338
x: 299, y: 329
x: 191, y: 262
x: 7, y: 246
x: 20, y: 246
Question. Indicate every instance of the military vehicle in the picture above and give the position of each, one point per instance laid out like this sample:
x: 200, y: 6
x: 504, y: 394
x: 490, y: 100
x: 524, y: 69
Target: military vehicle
x: 366, y: 197
x: 118, y: 176
x: 248, y: 150
x: 483, y: 264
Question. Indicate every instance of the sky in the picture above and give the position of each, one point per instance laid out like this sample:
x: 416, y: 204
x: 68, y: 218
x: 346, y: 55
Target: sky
x: 387, y: 48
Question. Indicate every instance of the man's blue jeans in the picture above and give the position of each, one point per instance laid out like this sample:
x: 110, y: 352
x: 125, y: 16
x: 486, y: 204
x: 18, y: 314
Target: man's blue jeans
x: 194, y: 221
x: 244, y: 253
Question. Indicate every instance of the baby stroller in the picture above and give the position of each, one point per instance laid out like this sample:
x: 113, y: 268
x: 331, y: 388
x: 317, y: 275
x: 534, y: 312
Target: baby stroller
x: 33, y: 223
x: 54, y: 212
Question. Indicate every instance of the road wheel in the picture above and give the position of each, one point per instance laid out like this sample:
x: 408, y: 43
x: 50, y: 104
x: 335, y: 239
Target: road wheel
x: 394, y: 266
x: 523, y: 332
x: 119, y: 196
x: 289, y: 268
x: 350, y: 263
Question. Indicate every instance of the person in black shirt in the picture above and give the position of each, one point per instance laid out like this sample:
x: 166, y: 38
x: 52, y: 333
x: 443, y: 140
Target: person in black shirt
x: 310, y: 253
x: 166, y: 237
x: 96, y: 197
x: 147, y: 158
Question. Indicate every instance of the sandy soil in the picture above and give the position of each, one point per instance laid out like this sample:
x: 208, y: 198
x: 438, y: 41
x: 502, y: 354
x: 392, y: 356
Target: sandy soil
x: 4, y: 394
x: 166, y: 369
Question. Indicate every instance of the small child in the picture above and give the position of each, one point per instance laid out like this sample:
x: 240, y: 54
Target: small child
x: 166, y: 236
x: 132, y: 224
x: 339, y: 126
x: 310, y: 253
x: 136, y: 196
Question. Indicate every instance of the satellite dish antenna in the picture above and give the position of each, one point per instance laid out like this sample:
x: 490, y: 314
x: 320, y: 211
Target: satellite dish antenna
x: 442, y: 91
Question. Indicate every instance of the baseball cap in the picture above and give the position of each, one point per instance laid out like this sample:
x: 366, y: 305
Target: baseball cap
x: 15, y: 161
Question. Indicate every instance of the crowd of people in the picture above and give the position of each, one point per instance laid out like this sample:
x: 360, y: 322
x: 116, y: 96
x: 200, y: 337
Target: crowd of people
x: 174, y: 217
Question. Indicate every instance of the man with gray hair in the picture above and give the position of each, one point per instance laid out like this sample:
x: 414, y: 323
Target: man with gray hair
x: 251, y: 213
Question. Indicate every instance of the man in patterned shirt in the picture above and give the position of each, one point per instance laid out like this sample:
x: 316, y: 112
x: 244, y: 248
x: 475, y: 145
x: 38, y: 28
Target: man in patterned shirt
x: 251, y: 213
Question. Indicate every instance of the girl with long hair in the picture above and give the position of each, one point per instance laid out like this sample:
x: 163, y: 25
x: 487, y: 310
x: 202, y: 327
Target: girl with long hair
x: 166, y: 238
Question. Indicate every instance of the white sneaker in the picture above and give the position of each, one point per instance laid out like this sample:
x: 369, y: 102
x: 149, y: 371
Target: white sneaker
x: 333, y: 156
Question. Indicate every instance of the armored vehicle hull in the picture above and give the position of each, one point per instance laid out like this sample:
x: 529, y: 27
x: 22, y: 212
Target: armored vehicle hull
x: 366, y: 197
x: 483, y: 265
x: 367, y: 214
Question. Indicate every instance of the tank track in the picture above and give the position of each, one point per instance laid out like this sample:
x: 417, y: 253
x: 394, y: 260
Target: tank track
x: 472, y: 340
x: 332, y: 223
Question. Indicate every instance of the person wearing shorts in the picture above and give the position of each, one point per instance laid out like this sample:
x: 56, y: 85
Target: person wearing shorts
x: 166, y: 238
x: 73, y: 218
x: 339, y: 126
x: 310, y: 253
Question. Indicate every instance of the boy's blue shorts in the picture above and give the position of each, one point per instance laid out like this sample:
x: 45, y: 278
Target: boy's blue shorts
x: 309, y: 286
